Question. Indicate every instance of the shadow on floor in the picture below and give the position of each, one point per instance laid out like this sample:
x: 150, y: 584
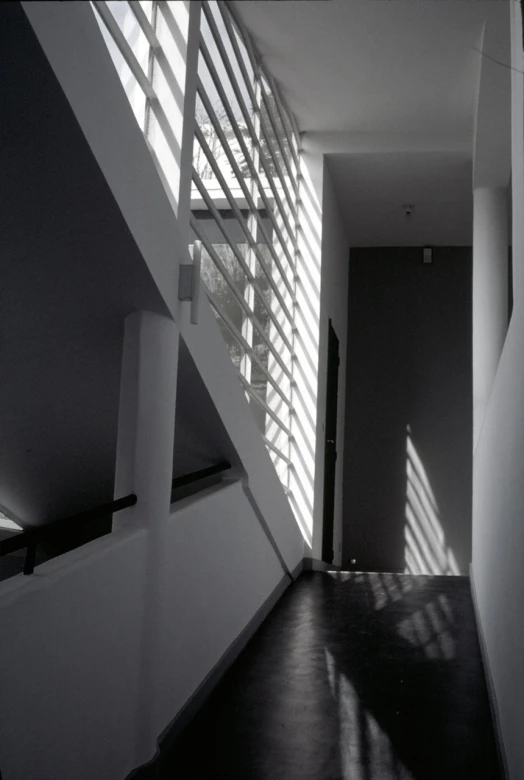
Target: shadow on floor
x: 351, y: 677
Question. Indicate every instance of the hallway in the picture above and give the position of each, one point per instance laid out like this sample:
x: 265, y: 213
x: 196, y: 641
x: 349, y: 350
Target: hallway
x: 351, y: 677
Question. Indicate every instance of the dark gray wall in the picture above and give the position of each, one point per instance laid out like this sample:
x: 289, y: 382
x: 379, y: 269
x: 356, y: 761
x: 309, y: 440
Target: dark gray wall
x: 201, y: 439
x: 409, y: 364
x: 70, y: 273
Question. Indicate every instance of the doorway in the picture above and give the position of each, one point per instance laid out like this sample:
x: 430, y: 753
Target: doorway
x: 330, y: 448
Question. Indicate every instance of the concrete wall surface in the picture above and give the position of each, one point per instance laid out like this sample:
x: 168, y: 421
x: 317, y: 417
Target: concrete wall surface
x: 71, y: 671
x: 408, y: 445
x: 498, y: 487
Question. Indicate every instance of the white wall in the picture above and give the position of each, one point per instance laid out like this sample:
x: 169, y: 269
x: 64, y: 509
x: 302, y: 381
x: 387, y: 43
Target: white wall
x: 223, y: 569
x: 498, y: 541
x: 69, y: 661
x: 70, y: 673
x: 498, y: 487
x: 491, y: 174
x: 490, y: 293
x: 334, y: 251
x: 226, y: 567
x: 492, y: 134
x: 333, y: 305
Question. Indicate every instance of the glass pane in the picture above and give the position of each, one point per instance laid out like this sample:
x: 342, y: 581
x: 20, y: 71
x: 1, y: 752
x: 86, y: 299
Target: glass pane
x: 230, y: 53
x: 133, y: 91
x: 166, y: 159
x: 231, y: 133
x: 244, y: 54
x: 270, y: 143
x: 214, y: 235
x: 169, y: 81
x: 270, y: 245
x: 271, y: 300
x: 217, y: 285
x: 172, y: 24
x: 270, y: 255
x: 201, y: 163
x: 217, y: 152
x: 132, y: 31
x: 236, y: 351
x: 259, y: 415
x: 259, y: 380
x: 147, y: 8
x: 227, y: 87
x: 170, y: 97
x: 269, y: 328
x: 275, y: 211
x: 269, y: 106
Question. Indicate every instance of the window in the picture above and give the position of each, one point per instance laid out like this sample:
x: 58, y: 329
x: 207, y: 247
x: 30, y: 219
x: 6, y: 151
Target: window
x: 244, y: 213
x: 245, y: 184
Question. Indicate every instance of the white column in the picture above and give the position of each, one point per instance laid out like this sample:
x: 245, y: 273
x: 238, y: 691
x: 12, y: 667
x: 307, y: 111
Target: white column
x: 490, y: 293
x: 146, y: 429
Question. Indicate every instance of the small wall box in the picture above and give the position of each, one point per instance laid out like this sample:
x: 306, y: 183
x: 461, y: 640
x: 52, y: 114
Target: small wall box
x: 427, y: 254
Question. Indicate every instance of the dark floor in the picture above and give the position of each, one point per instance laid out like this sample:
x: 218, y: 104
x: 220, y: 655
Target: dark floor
x: 352, y: 677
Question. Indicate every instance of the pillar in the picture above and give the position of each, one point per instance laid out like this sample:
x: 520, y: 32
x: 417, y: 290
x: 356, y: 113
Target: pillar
x: 490, y: 293
x: 146, y: 429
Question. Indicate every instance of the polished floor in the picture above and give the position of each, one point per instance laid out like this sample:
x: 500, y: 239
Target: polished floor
x: 351, y: 677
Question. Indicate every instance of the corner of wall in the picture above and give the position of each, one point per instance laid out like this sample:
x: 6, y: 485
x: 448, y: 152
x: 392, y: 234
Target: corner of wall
x: 492, y: 694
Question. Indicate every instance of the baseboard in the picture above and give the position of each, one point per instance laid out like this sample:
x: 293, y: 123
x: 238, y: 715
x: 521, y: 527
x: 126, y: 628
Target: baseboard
x: 314, y: 564
x: 492, y: 696
x: 151, y: 770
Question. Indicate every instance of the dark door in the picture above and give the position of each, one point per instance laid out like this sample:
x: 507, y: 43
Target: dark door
x: 330, y: 452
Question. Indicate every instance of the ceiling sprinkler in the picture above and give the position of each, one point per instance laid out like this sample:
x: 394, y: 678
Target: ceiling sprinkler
x: 409, y: 208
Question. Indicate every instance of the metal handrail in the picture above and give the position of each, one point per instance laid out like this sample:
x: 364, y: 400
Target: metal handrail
x: 196, y: 476
x: 31, y: 539
x: 35, y: 536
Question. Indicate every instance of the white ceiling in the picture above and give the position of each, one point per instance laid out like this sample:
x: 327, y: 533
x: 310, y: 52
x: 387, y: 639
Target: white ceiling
x: 372, y: 188
x: 371, y: 65
x: 371, y: 69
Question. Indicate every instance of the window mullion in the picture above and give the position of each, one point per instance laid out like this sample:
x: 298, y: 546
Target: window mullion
x: 208, y: 246
x: 150, y: 71
x: 247, y: 325
x: 238, y: 254
x: 125, y: 49
x: 292, y: 141
x: 229, y: 8
x: 245, y: 189
x: 269, y: 444
x: 253, y: 394
x: 255, y: 134
x: 241, y: 341
x: 274, y: 127
x: 242, y: 105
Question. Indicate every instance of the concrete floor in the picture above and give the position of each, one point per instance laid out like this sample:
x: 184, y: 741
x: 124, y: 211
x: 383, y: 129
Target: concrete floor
x: 351, y: 677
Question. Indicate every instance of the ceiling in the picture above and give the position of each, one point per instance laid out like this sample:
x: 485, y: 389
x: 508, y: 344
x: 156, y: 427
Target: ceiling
x: 368, y: 66
x: 372, y: 188
x: 372, y: 73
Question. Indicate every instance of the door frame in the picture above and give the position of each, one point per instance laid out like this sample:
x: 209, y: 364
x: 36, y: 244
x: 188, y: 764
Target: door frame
x: 330, y: 444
